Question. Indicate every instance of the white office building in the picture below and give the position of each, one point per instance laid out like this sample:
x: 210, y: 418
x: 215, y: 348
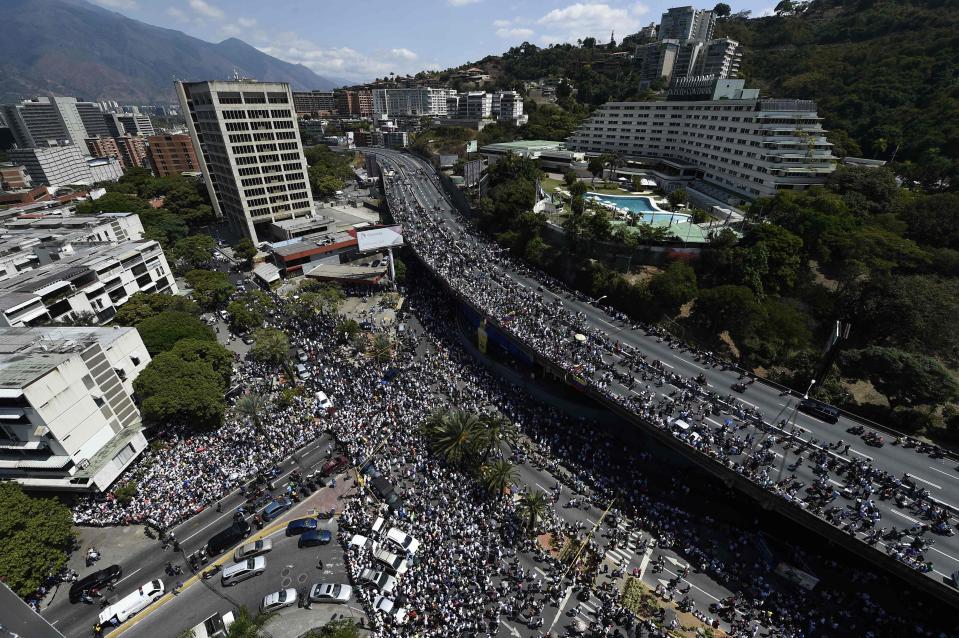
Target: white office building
x: 83, y: 280
x: 718, y: 132
x: 33, y: 241
x: 67, y: 417
x: 251, y: 154
x: 411, y: 101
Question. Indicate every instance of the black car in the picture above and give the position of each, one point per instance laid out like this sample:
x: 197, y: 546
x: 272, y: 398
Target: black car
x: 820, y: 410
x: 228, y: 537
x: 96, y: 580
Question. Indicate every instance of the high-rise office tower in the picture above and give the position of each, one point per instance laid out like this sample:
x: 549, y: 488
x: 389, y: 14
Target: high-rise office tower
x: 249, y: 150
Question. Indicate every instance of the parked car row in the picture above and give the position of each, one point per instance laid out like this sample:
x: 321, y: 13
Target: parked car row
x: 394, y: 553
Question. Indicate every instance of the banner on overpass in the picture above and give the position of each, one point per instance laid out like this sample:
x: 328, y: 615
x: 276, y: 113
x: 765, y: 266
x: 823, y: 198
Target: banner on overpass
x: 798, y: 576
x: 377, y: 238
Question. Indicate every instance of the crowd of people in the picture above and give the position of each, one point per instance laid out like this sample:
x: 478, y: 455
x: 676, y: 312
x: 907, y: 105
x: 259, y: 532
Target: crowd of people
x: 466, y: 578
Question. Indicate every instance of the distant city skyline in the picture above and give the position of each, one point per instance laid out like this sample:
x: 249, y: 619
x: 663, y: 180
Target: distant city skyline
x: 393, y: 37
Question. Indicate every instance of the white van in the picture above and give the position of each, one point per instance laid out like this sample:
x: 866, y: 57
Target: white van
x: 216, y: 626
x: 130, y: 604
x: 302, y: 372
x: 238, y: 572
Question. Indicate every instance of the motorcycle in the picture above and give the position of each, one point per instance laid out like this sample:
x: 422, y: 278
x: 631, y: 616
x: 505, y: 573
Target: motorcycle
x: 210, y: 573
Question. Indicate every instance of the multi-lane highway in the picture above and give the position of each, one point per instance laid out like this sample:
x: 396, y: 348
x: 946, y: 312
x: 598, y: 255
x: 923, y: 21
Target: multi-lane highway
x: 436, y: 231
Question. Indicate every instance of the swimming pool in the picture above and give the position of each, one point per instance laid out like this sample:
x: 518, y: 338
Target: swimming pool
x: 642, y: 206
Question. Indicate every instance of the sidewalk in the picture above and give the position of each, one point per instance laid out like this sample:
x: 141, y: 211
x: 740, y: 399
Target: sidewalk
x: 117, y: 545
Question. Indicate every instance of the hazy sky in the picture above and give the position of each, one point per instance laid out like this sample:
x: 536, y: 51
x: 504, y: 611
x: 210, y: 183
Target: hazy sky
x: 360, y: 40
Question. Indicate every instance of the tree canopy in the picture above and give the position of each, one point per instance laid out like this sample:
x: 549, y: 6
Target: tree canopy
x: 37, y: 538
x: 181, y: 391
x: 163, y: 330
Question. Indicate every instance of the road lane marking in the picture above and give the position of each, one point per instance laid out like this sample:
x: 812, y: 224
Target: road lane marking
x: 908, y: 518
x: 955, y: 478
x: 862, y: 454
x: 215, y: 520
x: 127, y: 576
x: 938, y: 487
x: 692, y: 585
x: 949, y: 556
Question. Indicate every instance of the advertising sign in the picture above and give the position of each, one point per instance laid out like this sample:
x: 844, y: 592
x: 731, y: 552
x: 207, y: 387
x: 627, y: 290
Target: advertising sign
x: 377, y: 238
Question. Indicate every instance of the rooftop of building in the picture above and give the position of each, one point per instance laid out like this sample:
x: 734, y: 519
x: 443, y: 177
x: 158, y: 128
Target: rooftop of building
x: 317, y: 241
x: 26, y: 354
x: 526, y: 145
x: 46, y: 278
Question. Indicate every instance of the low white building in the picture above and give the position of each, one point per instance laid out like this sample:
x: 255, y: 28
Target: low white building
x: 30, y: 242
x: 67, y: 417
x: 85, y: 280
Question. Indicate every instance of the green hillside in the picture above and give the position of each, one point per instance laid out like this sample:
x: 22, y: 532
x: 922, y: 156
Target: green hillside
x: 884, y: 71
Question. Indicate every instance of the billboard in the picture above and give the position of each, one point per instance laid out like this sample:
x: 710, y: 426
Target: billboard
x: 471, y: 146
x: 472, y: 171
x: 377, y: 238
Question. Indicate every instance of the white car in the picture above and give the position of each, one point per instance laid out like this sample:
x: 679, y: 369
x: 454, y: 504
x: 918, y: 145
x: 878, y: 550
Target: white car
x: 390, y: 608
x: 278, y: 600
x: 381, y: 580
x: 323, y: 400
x: 330, y: 593
x: 402, y: 540
x: 255, y: 548
x: 394, y: 562
x: 362, y: 542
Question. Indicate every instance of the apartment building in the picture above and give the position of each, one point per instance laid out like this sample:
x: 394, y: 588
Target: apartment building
x: 350, y: 102
x: 172, y: 154
x: 727, y: 135
x: 250, y: 150
x: 657, y: 60
x: 314, y: 102
x: 66, y: 395
x: 47, y: 121
x: 473, y: 105
x: 411, y: 101
x: 687, y: 23
x: 128, y: 150
x: 507, y: 106
x: 135, y: 124
x: 84, y: 279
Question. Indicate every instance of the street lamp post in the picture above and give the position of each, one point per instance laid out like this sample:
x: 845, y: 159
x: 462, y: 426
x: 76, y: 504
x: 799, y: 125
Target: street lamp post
x: 812, y: 382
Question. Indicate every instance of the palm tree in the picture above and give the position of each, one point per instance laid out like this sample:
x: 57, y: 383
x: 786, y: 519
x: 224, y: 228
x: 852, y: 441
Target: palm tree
x: 252, y: 406
x: 381, y: 349
x: 455, y: 439
x: 499, y: 475
x: 532, y: 508
x: 490, y: 435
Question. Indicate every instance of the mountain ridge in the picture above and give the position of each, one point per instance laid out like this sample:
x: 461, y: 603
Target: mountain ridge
x: 71, y: 47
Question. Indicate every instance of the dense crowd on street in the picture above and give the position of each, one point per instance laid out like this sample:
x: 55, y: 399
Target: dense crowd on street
x: 466, y: 578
